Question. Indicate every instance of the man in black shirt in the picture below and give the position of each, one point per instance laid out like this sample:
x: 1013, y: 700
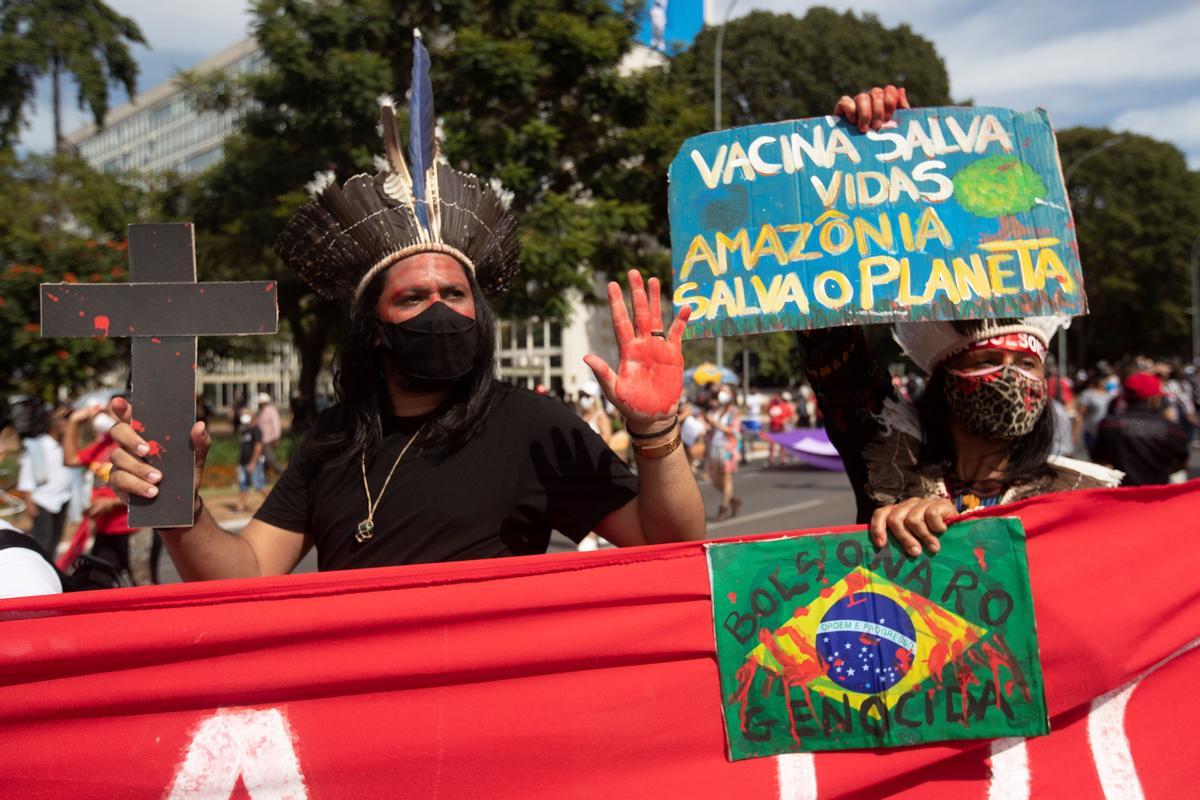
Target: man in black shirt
x: 427, y: 457
x: 1140, y: 441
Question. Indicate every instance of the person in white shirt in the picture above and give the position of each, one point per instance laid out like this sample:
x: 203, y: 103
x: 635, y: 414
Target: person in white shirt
x: 45, y: 481
x: 24, y: 572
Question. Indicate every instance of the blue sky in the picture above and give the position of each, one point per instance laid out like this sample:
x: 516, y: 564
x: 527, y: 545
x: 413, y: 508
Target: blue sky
x: 1128, y: 65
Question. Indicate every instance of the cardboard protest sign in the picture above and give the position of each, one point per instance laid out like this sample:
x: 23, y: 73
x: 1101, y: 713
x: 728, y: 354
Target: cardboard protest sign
x: 825, y: 644
x: 163, y: 309
x: 947, y: 213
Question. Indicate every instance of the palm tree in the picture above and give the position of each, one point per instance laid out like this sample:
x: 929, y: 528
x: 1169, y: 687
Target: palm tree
x: 84, y: 38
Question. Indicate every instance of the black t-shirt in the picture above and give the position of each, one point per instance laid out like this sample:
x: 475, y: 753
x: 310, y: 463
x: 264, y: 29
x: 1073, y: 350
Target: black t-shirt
x: 533, y: 468
x: 248, y: 438
x: 1143, y: 444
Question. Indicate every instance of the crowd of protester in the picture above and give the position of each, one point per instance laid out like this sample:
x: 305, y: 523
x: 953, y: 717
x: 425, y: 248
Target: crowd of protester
x: 69, y: 515
x: 1137, y: 416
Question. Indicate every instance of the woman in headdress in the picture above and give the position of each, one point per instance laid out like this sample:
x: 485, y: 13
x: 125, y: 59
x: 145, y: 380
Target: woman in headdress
x: 980, y: 434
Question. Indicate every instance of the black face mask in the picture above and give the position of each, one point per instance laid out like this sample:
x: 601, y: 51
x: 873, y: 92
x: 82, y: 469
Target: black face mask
x: 433, y: 349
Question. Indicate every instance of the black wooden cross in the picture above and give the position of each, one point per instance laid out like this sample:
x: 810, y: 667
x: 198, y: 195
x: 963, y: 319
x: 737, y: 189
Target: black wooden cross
x: 163, y: 309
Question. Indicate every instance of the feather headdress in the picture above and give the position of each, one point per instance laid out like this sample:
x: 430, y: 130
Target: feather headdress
x: 930, y: 343
x: 347, y: 235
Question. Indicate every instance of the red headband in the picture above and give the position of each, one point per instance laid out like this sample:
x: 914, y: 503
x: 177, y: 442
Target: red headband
x: 1013, y: 342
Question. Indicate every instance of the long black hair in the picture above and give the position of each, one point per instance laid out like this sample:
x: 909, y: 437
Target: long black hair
x: 1026, y: 454
x: 354, y: 426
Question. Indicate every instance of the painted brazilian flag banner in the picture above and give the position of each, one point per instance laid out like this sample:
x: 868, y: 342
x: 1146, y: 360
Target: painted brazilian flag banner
x: 825, y: 644
x: 945, y: 213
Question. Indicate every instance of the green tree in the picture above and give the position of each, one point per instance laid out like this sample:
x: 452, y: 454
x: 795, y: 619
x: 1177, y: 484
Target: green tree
x: 35, y: 193
x: 1137, y: 212
x: 83, y: 38
x: 527, y: 91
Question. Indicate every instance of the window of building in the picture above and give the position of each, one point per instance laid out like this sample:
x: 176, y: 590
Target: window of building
x: 203, y: 160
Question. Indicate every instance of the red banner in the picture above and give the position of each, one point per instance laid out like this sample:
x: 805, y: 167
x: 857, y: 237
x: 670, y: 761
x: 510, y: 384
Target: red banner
x: 578, y: 675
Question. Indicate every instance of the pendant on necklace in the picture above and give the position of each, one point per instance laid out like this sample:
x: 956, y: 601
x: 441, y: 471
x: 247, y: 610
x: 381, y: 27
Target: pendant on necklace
x: 366, y: 530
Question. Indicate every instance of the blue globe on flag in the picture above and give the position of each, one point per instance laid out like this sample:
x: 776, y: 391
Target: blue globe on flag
x: 868, y: 641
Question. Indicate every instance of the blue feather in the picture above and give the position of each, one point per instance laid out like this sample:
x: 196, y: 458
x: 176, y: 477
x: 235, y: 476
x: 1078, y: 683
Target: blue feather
x: 421, y: 126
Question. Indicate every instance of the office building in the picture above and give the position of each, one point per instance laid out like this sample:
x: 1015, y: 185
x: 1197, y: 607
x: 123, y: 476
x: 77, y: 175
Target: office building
x: 160, y: 130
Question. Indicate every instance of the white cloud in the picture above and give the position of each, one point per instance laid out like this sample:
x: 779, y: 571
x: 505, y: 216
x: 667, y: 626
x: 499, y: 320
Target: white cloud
x: 203, y: 28
x: 1179, y: 124
x: 1087, y: 61
x: 1159, y: 49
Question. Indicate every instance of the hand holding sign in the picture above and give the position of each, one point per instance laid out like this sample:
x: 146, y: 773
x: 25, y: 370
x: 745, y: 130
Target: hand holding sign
x: 870, y: 110
x: 914, y: 522
x: 649, y: 379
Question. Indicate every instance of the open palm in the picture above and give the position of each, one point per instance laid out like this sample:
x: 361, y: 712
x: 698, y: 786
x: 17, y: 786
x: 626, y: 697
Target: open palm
x: 649, y: 379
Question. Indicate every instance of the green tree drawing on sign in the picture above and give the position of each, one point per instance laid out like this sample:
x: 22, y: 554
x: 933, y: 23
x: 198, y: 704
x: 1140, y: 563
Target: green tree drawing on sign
x: 998, y: 187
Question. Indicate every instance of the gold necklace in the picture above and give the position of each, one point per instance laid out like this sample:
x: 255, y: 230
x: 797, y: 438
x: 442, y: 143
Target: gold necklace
x: 366, y: 528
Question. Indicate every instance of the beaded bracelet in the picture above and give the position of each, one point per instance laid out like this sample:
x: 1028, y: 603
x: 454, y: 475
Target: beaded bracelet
x: 658, y: 433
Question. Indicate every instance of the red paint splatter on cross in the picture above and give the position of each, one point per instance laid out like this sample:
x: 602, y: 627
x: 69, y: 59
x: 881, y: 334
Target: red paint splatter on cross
x: 156, y: 449
x: 156, y: 341
x: 100, y: 324
x: 137, y: 426
x: 53, y: 299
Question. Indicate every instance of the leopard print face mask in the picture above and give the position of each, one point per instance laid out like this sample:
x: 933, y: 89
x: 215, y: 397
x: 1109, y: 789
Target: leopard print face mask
x: 1000, y: 403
